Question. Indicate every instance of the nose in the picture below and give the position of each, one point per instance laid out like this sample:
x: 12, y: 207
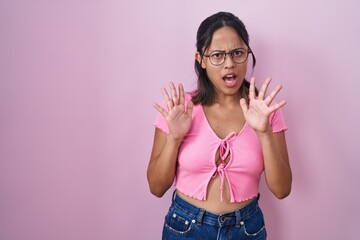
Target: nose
x: 229, y: 62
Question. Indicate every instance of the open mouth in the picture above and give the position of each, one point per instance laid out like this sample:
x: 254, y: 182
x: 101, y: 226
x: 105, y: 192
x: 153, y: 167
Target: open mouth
x: 230, y: 80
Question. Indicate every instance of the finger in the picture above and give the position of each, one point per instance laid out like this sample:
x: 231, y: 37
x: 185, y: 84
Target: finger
x: 160, y: 109
x: 252, y: 94
x: 263, y: 89
x: 168, y: 100
x: 277, y: 106
x: 181, y: 94
x: 273, y: 94
x: 174, y: 95
x: 243, y: 105
x: 189, y: 108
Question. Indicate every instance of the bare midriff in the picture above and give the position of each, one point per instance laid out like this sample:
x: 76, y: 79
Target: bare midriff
x: 213, y: 202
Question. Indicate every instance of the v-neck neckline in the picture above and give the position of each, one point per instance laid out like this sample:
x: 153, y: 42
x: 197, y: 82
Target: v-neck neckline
x: 236, y: 134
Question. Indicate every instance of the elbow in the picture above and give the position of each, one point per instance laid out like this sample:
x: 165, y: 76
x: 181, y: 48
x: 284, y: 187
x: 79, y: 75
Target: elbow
x: 281, y: 188
x: 157, y: 188
x: 159, y: 185
x: 282, y: 194
x: 157, y: 191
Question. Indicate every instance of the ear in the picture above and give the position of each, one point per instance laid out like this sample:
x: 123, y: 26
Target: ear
x: 199, y: 59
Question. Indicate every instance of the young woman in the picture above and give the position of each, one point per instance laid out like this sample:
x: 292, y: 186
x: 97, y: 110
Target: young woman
x: 217, y: 141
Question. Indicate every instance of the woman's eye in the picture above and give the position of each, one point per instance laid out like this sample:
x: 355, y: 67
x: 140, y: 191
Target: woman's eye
x: 217, y: 55
x: 237, y: 53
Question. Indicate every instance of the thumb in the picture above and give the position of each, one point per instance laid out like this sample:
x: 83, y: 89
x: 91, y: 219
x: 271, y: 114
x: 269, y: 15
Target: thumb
x: 243, y: 105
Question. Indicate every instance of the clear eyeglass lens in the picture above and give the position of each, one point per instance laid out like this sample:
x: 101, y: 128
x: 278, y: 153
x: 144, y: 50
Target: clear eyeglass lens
x: 239, y: 56
x: 217, y: 58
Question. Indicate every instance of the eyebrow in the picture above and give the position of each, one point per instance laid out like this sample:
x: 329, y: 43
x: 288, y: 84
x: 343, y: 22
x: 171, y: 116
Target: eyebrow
x: 217, y: 50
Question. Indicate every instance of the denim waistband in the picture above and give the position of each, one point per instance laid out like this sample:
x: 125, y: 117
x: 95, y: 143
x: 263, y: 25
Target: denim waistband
x: 200, y: 215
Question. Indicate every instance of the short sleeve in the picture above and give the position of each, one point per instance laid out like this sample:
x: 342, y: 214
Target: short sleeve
x: 277, y: 122
x: 160, y: 121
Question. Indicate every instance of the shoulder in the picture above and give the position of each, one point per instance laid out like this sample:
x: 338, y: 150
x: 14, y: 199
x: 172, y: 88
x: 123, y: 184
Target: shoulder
x: 277, y: 120
x: 188, y: 96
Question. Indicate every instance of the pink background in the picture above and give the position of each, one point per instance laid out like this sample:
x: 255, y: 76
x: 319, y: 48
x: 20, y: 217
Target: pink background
x: 77, y: 80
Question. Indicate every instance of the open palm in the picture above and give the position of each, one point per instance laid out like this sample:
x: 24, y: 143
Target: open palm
x: 258, y: 110
x: 179, y: 113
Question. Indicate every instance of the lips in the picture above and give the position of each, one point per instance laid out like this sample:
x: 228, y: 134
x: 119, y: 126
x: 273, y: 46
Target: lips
x: 230, y: 79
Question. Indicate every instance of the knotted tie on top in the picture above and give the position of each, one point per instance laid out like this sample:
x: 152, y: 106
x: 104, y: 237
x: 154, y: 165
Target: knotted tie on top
x: 224, y: 152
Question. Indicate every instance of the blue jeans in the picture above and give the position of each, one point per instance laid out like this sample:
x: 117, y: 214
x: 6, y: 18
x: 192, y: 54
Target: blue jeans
x: 185, y: 221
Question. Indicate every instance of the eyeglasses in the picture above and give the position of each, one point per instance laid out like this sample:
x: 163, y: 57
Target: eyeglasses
x: 238, y: 55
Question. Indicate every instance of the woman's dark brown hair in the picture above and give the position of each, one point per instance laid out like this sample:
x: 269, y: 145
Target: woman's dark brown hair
x: 205, y: 92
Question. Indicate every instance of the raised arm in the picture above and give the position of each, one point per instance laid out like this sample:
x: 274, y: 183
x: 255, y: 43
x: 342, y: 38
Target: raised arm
x: 276, y: 160
x: 162, y: 166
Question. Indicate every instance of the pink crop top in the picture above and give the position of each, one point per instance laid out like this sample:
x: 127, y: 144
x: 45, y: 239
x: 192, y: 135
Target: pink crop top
x: 196, y: 159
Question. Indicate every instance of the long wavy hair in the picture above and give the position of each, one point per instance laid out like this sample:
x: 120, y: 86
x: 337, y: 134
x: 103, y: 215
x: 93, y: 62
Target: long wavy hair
x: 204, y: 94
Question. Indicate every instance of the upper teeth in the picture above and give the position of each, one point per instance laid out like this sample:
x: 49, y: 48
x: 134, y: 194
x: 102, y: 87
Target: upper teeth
x: 229, y: 75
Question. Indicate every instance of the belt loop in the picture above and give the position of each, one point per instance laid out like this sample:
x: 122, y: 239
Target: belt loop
x: 174, y: 195
x: 200, y: 216
x: 238, y: 218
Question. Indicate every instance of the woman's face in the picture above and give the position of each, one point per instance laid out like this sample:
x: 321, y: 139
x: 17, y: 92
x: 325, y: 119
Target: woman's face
x: 227, y: 77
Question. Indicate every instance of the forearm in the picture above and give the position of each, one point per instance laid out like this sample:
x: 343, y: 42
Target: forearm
x: 277, y: 168
x: 162, y: 169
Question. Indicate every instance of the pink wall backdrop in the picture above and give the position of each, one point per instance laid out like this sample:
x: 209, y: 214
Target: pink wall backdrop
x: 77, y: 81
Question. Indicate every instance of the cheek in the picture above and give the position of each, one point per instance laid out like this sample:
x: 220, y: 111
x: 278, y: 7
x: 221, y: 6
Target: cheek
x: 212, y: 71
x: 244, y: 69
x: 213, y: 74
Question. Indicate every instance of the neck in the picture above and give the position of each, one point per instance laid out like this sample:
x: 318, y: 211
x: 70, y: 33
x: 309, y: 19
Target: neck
x: 227, y: 100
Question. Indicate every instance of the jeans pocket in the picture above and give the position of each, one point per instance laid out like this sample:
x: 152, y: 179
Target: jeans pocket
x: 255, y: 225
x: 178, y: 223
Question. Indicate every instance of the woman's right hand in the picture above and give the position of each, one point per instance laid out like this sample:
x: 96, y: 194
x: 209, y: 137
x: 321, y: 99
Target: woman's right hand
x: 179, y: 112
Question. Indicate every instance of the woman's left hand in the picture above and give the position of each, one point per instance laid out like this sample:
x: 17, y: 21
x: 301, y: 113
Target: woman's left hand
x: 258, y: 111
